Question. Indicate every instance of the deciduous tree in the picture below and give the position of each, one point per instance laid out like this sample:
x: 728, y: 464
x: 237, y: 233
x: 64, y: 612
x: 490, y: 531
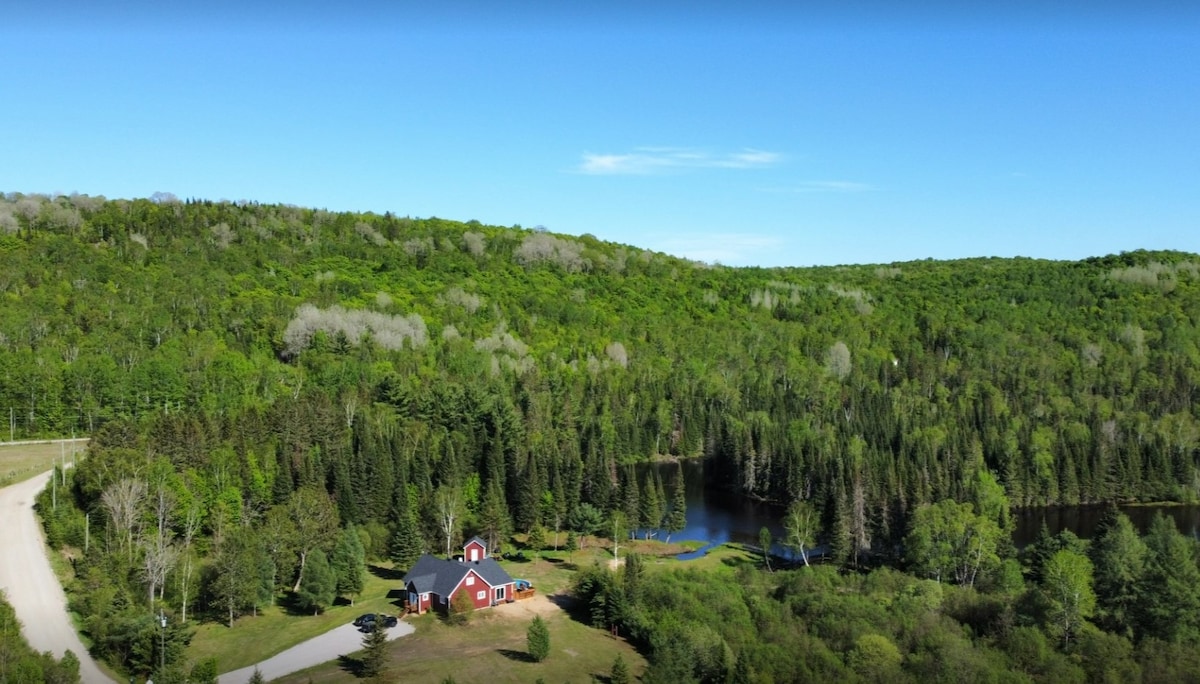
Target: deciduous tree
x: 947, y: 541
x: 316, y: 522
x: 800, y: 527
x: 1067, y: 586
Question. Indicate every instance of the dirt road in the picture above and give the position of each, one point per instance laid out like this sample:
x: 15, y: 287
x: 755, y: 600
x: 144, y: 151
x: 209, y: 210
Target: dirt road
x: 336, y: 642
x: 29, y: 582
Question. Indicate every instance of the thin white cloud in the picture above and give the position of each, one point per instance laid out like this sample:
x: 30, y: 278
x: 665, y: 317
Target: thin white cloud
x: 829, y: 186
x: 644, y: 161
x: 730, y: 249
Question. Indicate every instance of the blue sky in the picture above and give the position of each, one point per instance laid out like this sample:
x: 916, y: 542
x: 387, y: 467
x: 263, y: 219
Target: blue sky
x: 754, y: 136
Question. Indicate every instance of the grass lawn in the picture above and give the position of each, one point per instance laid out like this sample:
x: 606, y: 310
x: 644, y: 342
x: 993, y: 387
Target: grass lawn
x: 253, y: 639
x: 19, y: 462
x: 725, y: 557
x: 492, y: 649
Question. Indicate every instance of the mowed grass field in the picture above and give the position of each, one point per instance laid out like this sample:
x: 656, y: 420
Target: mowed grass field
x: 275, y: 629
x: 492, y: 649
x: 492, y: 646
x: 19, y: 462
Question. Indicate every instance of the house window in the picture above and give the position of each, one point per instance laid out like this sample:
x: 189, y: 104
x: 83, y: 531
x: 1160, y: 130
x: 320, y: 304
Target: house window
x: 425, y: 596
x: 481, y: 596
x: 470, y: 580
x: 499, y: 593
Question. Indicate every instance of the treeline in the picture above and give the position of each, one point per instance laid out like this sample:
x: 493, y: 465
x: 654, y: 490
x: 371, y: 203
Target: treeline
x: 1072, y: 381
x: 1121, y: 608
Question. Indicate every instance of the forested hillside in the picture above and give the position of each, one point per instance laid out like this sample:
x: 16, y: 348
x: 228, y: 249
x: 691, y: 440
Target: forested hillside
x: 275, y: 393
x: 356, y: 348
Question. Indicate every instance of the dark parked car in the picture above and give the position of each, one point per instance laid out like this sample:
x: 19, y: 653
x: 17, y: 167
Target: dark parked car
x: 366, y: 623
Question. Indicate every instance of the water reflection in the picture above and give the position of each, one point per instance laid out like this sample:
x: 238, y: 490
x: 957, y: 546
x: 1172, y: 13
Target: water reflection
x: 1084, y: 520
x: 717, y: 516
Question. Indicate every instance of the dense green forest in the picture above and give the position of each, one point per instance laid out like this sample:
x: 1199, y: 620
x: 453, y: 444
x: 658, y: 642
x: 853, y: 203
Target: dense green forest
x: 1121, y: 608
x: 275, y: 392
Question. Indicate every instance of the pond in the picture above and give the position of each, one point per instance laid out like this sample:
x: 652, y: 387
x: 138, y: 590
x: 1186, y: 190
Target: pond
x: 716, y: 516
x: 1084, y: 520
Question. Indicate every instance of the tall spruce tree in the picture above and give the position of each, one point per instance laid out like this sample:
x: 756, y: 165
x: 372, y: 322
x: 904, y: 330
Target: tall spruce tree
x: 1119, y: 557
x: 537, y: 639
x: 374, y: 658
x: 1170, y: 600
x: 630, y: 500
x: 677, y: 517
x: 349, y: 564
x: 651, y: 514
x: 406, y: 544
x: 319, y: 585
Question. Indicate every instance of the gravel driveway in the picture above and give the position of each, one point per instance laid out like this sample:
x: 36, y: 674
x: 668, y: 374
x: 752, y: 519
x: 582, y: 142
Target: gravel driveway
x: 336, y: 642
x: 34, y: 592
x: 29, y: 582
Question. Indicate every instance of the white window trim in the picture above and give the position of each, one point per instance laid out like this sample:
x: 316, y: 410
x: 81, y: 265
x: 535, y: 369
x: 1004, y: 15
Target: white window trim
x: 481, y: 595
x: 470, y: 580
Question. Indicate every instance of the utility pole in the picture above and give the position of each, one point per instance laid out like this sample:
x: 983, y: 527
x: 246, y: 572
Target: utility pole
x: 162, y: 644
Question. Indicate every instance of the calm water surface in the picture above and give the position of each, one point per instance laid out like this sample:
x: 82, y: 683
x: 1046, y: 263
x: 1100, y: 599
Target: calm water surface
x: 716, y: 516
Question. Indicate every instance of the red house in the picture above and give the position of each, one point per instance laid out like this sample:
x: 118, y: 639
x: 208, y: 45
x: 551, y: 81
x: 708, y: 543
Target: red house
x: 433, y: 582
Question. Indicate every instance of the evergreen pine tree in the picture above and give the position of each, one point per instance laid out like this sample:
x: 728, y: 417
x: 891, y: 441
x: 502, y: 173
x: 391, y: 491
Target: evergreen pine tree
x: 538, y: 639
x: 839, y: 542
x: 572, y: 543
x: 1170, y: 602
x: 257, y: 677
x: 1119, y: 557
x: 677, y: 517
x: 741, y: 670
x: 537, y: 539
x: 620, y: 671
x: 406, y: 544
x: 349, y: 563
x: 493, y: 516
x: 650, y: 517
x: 630, y: 501
x: 374, y: 659
x: 318, y: 587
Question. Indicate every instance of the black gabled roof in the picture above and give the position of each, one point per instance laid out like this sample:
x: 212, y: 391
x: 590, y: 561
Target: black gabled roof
x: 424, y: 573
x: 440, y: 576
x: 491, y: 572
x: 476, y: 539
